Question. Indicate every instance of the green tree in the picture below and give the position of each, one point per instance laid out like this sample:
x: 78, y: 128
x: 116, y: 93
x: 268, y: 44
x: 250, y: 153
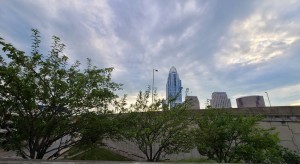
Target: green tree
x: 45, y: 102
x: 156, y: 130
x: 288, y: 156
x: 226, y: 137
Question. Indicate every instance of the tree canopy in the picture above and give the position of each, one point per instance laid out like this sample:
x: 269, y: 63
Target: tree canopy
x: 155, y: 129
x: 226, y: 137
x: 44, y: 100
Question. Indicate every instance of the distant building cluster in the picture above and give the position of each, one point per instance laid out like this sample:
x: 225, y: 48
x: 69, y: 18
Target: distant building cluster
x: 218, y: 99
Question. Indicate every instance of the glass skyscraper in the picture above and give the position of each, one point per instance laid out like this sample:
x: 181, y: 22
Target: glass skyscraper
x: 174, y: 87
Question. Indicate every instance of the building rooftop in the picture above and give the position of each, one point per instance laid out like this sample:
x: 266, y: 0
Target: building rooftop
x: 250, y: 96
x: 173, y: 69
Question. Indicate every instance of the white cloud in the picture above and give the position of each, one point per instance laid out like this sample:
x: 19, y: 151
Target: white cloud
x: 189, y: 7
x: 136, y: 37
x: 257, y: 39
x: 285, y: 95
x: 296, y: 103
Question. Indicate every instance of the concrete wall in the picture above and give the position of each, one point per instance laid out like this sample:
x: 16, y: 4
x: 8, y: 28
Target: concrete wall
x: 285, y: 120
x: 131, y: 151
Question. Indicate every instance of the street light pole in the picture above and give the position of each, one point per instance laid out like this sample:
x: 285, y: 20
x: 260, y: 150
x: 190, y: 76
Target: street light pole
x: 268, y: 98
x: 153, y: 82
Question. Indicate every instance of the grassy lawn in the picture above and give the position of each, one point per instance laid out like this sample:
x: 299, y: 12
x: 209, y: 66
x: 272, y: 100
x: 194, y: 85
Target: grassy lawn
x: 102, y: 154
x: 95, y: 153
x: 195, y: 160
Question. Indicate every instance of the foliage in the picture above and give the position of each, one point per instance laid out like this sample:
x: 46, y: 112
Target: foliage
x: 45, y: 102
x: 95, y: 126
x: 156, y: 130
x: 288, y: 156
x: 225, y: 137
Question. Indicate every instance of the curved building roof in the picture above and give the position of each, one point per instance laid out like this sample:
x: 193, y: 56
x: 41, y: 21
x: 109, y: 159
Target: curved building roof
x: 173, y: 69
x: 250, y: 96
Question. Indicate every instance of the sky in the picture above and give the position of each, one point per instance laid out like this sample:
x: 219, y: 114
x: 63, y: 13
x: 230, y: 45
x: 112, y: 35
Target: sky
x: 238, y: 47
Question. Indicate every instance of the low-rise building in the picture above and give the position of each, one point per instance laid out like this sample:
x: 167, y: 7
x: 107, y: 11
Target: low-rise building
x: 193, y: 102
x: 250, y: 101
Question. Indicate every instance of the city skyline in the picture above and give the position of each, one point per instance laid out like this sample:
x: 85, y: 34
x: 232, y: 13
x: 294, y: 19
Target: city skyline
x: 240, y: 47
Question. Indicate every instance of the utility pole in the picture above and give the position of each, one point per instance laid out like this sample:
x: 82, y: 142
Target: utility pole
x: 153, y: 82
x: 268, y: 98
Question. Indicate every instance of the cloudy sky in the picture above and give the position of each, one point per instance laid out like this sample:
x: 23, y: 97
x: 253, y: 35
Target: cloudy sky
x: 239, y: 47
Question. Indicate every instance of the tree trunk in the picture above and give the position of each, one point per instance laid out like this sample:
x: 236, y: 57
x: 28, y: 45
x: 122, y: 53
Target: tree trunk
x: 32, y: 154
x: 40, y: 155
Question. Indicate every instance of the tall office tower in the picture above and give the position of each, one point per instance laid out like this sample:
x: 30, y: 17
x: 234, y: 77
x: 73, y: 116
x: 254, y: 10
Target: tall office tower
x: 220, y: 100
x: 250, y: 101
x: 174, y: 87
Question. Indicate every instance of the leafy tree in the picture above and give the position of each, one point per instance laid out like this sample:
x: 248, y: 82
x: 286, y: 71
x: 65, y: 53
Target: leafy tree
x: 225, y: 137
x: 98, y: 126
x: 288, y: 156
x: 156, y: 130
x: 45, y: 102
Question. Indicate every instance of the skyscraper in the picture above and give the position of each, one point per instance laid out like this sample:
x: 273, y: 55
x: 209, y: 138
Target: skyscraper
x: 174, y: 87
x: 220, y: 100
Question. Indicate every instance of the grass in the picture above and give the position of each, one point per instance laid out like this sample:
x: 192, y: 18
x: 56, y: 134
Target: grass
x: 102, y: 154
x: 195, y: 160
x: 95, y: 153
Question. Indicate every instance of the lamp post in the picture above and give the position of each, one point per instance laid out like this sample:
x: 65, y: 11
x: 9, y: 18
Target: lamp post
x: 268, y: 98
x: 154, y: 70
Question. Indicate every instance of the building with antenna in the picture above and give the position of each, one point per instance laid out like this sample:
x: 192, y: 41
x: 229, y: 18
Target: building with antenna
x: 192, y: 101
x: 173, y: 88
